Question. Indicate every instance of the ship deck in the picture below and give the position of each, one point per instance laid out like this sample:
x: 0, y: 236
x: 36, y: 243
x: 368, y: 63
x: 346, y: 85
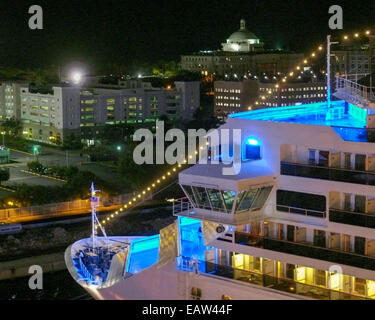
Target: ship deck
x: 347, y: 120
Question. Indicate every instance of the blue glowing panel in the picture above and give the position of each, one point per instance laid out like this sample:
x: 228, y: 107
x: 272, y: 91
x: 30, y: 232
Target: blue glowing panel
x: 252, y: 152
x: 143, y: 254
x: 358, y: 113
x: 192, y: 241
x: 355, y: 134
x: 183, y: 221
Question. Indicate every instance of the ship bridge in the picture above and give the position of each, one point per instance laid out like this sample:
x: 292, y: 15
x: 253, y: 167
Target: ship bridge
x: 227, y: 199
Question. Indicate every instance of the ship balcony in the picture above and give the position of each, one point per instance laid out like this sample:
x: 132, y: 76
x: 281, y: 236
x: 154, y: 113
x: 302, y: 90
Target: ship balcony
x: 328, y: 173
x: 360, y: 219
x: 306, y: 250
x: 241, y: 274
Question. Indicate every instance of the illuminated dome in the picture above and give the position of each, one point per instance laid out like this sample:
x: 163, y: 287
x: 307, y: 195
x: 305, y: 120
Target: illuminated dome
x: 243, y: 34
x: 242, y: 40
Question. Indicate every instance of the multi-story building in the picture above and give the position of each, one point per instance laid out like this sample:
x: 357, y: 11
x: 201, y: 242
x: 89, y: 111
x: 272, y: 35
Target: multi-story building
x: 354, y: 58
x: 234, y: 96
x: 10, y: 100
x: 50, y: 117
x: 347, y: 62
x: 242, y: 53
x: 296, y: 221
x: 239, y: 96
x: 292, y: 93
x: 65, y: 110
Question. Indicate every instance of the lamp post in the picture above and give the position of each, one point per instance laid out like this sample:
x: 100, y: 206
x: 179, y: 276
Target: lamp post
x: 3, y: 134
x: 35, y: 149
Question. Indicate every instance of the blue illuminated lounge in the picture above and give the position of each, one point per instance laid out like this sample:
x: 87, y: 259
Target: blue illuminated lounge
x: 348, y: 121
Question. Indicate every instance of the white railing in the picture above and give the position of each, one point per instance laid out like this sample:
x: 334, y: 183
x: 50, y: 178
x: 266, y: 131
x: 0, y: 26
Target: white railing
x: 184, y: 208
x: 354, y: 90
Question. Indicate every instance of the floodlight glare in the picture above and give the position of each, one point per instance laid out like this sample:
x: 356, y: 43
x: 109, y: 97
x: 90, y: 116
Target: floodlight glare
x: 77, y: 77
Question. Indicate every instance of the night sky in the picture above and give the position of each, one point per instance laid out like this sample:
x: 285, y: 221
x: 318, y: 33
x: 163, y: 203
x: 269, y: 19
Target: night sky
x: 114, y: 31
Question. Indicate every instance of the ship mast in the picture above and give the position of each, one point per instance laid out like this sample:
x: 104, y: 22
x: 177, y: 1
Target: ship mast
x: 329, y: 93
x: 94, y: 219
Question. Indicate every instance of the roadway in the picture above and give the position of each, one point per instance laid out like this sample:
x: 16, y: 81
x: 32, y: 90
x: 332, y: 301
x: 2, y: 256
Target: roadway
x: 63, y: 214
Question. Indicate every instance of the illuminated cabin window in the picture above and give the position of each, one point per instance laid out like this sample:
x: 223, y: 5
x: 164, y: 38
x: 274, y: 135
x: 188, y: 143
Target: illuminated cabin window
x: 252, y: 150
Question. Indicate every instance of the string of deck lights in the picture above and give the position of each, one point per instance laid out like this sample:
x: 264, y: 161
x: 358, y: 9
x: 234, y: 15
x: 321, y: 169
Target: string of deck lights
x: 312, y: 55
x: 141, y: 195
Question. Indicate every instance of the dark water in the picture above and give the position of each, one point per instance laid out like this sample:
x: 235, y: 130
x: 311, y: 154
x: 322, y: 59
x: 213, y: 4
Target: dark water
x: 56, y: 286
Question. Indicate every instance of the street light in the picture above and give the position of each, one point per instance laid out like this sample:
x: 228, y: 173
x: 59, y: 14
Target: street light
x: 35, y: 150
x: 3, y: 134
x: 119, y: 148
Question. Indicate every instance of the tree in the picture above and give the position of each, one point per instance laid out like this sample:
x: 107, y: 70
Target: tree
x: 72, y: 142
x: 4, y: 175
x: 12, y: 127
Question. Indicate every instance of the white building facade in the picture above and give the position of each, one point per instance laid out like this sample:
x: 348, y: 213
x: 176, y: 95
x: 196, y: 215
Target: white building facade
x: 50, y: 117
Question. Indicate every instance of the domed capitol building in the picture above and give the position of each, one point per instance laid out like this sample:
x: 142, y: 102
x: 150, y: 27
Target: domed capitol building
x: 242, y: 53
x: 242, y: 41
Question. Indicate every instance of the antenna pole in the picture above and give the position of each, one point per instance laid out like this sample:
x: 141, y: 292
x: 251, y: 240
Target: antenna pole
x: 329, y: 71
x: 329, y: 92
x: 94, y: 203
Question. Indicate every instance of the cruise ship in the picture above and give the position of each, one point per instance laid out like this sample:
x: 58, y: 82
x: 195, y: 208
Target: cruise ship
x: 297, y: 222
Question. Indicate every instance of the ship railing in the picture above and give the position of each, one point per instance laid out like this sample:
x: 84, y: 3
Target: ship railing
x: 302, y: 211
x: 88, y: 277
x: 290, y: 286
x: 182, y: 205
x: 186, y: 264
x: 307, y: 249
x: 355, y: 90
